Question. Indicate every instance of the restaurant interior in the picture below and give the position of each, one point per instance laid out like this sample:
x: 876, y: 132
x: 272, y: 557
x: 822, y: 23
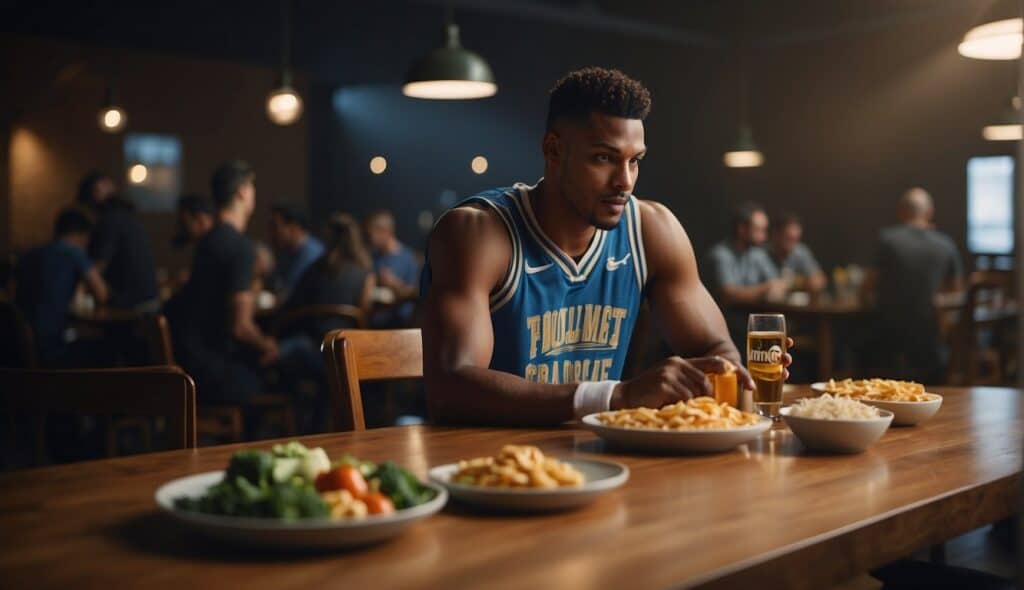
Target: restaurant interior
x: 250, y: 331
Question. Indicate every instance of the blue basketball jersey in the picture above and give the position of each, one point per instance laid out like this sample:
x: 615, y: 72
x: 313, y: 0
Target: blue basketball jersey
x: 557, y: 320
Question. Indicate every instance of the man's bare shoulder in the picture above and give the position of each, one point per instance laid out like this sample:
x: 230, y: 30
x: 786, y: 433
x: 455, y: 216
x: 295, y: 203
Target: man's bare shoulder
x: 470, y: 244
x: 471, y: 221
x: 659, y: 222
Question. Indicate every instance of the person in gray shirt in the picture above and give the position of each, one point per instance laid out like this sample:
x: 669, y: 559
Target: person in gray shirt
x: 739, y: 271
x: 793, y: 258
x: 913, y: 263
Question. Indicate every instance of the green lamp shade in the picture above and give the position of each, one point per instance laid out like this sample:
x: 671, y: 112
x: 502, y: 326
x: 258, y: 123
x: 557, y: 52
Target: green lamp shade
x: 745, y: 153
x: 450, y: 72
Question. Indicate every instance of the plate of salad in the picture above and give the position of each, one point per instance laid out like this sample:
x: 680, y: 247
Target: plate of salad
x: 292, y: 496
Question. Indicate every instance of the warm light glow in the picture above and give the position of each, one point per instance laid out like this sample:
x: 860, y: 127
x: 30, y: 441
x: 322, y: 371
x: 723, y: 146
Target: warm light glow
x: 137, y: 174
x: 112, y: 119
x: 996, y: 40
x: 1002, y: 132
x: 449, y: 89
x: 378, y: 164
x: 743, y: 159
x: 284, y: 106
x: 479, y: 164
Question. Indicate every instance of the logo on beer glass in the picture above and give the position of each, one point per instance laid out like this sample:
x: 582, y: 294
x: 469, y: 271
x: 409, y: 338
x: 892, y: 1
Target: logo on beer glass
x: 773, y: 355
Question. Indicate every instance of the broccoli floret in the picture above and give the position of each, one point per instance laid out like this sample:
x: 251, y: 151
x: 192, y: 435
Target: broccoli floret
x: 254, y: 466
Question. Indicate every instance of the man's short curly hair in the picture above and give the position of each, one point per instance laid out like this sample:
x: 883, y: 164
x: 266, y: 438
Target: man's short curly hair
x: 606, y: 91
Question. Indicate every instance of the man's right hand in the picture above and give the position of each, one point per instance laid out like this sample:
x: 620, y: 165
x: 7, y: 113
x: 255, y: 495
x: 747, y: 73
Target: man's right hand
x: 667, y: 382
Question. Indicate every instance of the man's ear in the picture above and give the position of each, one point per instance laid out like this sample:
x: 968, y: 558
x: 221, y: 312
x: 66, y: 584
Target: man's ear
x: 552, y: 148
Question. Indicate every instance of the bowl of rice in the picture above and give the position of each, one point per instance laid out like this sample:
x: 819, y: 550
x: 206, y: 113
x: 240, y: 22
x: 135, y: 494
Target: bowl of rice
x: 836, y: 424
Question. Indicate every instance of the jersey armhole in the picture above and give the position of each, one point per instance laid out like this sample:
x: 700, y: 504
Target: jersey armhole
x: 510, y: 282
x: 636, y: 242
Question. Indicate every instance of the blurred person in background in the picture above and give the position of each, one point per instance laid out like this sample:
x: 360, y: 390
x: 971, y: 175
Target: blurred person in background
x: 914, y: 262
x: 295, y: 248
x: 195, y: 217
x: 46, y: 279
x: 793, y: 259
x: 397, y: 268
x: 739, y: 271
x: 120, y: 246
x: 215, y: 333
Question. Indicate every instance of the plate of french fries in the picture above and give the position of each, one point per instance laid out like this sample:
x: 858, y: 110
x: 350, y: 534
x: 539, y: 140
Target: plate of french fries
x: 700, y: 425
x: 524, y: 478
x: 907, y: 400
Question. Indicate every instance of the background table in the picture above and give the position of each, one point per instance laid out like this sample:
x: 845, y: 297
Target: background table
x: 768, y: 514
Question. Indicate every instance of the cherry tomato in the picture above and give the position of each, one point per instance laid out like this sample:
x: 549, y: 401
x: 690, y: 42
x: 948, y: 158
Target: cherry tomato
x: 345, y: 477
x: 378, y: 503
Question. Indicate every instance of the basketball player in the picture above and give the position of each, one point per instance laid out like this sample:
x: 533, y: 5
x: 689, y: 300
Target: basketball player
x: 531, y: 292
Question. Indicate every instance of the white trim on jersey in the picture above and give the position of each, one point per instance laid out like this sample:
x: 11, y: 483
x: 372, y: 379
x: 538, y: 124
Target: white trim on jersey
x: 636, y: 241
x: 575, y: 272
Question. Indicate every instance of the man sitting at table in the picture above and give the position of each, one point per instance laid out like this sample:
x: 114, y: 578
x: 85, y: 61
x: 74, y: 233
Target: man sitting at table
x: 913, y: 263
x: 793, y: 259
x: 216, y: 334
x: 45, y: 282
x: 740, y: 271
x: 295, y: 248
x: 531, y: 292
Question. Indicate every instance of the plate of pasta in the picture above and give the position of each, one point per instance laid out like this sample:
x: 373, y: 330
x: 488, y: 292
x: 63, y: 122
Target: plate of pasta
x: 522, y: 478
x: 907, y: 400
x: 700, y: 425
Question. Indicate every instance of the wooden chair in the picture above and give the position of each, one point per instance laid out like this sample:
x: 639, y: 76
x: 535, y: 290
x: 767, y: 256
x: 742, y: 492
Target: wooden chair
x: 986, y: 311
x: 353, y: 356
x: 346, y: 313
x: 218, y: 421
x: 166, y: 392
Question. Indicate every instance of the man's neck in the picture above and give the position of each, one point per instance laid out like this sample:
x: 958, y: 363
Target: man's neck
x: 919, y: 223
x: 235, y: 217
x: 740, y: 245
x: 560, y: 221
x: 392, y: 247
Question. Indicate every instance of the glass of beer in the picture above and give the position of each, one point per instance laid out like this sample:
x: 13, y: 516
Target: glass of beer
x: 766, y: 345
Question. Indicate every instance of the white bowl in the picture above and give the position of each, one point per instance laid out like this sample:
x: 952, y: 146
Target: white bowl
x: 706, y: 440
x: 600, y: 477
x: 908, y: 413
x: 312, y: 533
x: 839, y: 436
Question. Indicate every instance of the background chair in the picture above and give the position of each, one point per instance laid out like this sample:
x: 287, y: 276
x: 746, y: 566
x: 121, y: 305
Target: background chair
x: 165, y: 392
x: 354, y: 356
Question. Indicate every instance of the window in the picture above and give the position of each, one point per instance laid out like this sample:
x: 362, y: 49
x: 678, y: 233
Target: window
x: 152, y: 170
x: 990, y: 192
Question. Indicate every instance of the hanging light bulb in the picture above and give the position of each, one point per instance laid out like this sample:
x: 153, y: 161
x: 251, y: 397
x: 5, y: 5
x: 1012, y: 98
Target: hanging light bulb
x: 111, y: 118
x: 1007, y: 127
x: 450, y: 72
x: 744, y: 153
x: 284, y: 105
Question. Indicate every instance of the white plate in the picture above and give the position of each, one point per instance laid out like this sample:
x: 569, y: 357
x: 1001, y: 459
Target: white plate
x: 819, y: 386
x: 308, y: 533
x: 601, y: 477
x: 709, y: 440
x: 837, y: 436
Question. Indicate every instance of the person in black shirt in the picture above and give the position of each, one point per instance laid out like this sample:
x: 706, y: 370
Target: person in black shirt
x: 45, y: 282
x: 214, y: 329
x: 120, y: 246
x: 913, y: 263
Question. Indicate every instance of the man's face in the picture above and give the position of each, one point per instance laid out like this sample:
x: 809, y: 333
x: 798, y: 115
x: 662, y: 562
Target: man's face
x: 103, y: 189
x: 195, y: 224
x: 247, y: 194
x: 595, y: 163
x: 278, y: 231
x: 787, y: 237
x: 378, y: 236
x: 755, y: 232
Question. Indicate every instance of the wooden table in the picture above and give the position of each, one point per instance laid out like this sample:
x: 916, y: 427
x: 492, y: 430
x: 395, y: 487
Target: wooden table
x: 764, y: 515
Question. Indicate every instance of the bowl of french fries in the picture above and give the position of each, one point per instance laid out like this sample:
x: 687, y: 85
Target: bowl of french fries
x: 907, y: 400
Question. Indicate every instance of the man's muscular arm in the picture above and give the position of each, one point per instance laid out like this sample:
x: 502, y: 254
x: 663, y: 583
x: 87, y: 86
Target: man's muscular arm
x: 692, y: 323
x: 469, y: 254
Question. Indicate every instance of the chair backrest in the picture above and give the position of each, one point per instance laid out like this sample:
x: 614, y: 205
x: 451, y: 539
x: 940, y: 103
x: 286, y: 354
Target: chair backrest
x: 157, y: 334
x: 353, y: 356
x: 167, y: 392
x: 352, y: 315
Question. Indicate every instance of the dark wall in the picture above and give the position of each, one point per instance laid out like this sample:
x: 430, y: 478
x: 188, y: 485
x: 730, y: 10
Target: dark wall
x: 846, y: 123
